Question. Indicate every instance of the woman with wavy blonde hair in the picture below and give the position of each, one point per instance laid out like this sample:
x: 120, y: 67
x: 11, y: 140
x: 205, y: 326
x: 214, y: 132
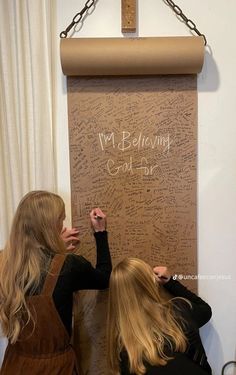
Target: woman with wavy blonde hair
x: 37, y: 281
x: 148, y: 334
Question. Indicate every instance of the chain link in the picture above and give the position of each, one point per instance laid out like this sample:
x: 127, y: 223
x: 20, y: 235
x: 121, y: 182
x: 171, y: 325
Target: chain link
x: 77, y: 18
x: 89, y: 3
x: 191, y: 25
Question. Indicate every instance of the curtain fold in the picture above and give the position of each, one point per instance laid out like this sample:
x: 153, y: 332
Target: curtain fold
x: 27, y: 102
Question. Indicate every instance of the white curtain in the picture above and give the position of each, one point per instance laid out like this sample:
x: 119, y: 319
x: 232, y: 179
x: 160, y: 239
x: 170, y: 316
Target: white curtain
x: 27, y: 91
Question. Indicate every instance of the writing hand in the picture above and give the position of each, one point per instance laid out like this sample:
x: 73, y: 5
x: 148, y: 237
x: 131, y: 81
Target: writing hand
x: 98, y: 220
x: 162, y: 274
x: 70, y: 237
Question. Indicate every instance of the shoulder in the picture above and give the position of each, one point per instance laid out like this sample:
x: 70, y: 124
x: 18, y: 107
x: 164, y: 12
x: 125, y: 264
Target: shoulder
x: 74, y: 269
x: 181, y: 304
x: 73, y: 261
x: 73, y: 264
x: 182, y: 309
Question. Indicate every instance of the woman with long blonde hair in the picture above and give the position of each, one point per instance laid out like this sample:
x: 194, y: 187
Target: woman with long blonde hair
x: 148, y: 334
x: 37, y: 281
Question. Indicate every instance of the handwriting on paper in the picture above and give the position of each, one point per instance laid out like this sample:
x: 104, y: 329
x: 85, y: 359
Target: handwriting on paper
x: 141, y: 141
x: 132, y: 153
x: 125, y: 141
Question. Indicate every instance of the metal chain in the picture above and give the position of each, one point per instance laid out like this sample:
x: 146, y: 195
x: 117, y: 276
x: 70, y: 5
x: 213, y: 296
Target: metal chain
x: 77, y: 18
x: 191, y: 25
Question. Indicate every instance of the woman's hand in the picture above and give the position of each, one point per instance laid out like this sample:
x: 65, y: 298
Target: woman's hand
x: 98, y: 220
x: 162, y: 274
x: 70, y: 237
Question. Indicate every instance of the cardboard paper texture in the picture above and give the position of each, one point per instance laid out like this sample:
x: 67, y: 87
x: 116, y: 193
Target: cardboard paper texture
x: 132, y: 153
x: 133, y: 146
x: 131, y: 56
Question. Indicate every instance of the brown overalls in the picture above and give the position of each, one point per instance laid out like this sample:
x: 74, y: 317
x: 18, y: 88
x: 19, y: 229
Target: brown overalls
x: 46, y: 351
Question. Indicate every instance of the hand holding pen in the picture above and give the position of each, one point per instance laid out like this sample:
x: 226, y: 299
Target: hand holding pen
x: 98, y: 220
x: 162, y: 274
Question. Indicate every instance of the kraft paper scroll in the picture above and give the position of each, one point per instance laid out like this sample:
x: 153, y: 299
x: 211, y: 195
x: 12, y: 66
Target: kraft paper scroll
x: 133, y: 153
x: 133, y: 144
x: 132, y: 56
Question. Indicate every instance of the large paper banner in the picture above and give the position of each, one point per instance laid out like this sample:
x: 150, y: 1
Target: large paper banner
x: 133, y: 144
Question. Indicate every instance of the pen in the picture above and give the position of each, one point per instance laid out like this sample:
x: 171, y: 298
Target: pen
x: 163, y: 277
x: 97, y: 217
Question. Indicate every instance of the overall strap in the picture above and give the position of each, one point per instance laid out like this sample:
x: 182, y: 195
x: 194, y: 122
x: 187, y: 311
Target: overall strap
x: 53, y: 274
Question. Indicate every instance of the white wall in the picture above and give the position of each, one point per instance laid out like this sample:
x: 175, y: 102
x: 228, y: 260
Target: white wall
x: 216, y: 140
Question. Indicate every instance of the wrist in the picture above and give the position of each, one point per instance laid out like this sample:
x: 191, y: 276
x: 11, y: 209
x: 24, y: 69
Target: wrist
x: 100, y: 232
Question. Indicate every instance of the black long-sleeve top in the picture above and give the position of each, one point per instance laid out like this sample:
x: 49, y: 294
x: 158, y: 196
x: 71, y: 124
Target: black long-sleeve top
x: 194, y: 360
x: 78, y: 273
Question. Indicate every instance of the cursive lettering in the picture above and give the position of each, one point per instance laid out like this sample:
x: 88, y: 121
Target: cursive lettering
x: 141, y: 141
x: 128, y: 167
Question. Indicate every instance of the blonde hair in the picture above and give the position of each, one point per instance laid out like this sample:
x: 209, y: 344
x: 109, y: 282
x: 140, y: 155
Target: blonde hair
x: 35, y: 232
x: 139, y: 320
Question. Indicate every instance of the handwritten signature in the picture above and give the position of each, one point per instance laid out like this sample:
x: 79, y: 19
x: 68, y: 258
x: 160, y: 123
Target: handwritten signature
x: 128, y: 167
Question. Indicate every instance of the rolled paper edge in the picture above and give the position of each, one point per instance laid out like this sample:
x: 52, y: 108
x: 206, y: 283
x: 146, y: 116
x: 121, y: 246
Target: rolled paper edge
x: 132, y: 56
